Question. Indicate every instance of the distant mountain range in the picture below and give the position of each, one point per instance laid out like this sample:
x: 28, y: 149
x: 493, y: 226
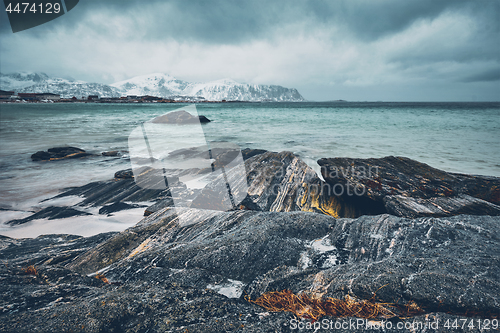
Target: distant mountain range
x: 158, y: 84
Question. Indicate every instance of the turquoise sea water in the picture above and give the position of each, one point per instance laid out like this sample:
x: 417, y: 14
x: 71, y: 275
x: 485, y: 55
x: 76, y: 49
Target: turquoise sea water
x: 456, y: 137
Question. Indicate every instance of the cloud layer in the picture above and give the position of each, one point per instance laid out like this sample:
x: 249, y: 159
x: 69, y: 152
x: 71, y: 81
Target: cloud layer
x: 354, y: 50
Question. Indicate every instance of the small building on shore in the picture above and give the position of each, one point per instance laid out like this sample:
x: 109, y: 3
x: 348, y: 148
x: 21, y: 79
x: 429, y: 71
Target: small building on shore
x: 39, y: 97
x: 28, y: 96
x: 49, y: 96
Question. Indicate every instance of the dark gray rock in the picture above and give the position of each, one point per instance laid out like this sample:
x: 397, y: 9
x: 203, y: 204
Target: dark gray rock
x: 407, y: 188
x: 391, y: 175
x: 439, y: 206
x: 124, y: 174
x: 204, y: 119
x: 247, y: 152
x: 449, y: 263
x: 180, y: 117
x: 117, y: 206
x: 47, y: 249
x: 161, y: 204
x: 111, y: 191
x: 166, y: 277
x: 110, y: 153
x: 59, y: 153
x: 282, y: 182
x: 51, y: 213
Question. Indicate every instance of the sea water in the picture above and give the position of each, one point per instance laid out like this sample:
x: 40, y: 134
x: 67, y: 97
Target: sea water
x: 455, y: 137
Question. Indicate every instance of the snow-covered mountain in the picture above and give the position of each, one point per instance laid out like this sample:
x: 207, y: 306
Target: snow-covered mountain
x: 16, y: 81
x: 41, y: 83
x: 164, y: 85
x: 158, y: 84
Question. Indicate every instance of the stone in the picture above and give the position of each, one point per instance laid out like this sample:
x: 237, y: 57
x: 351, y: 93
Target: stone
x: 50, y: 213
x: 162, y: 276
x: 110, y: 191
x: 204, y: 119
x: 403, y: 176
x: 282, y: 182
x: 47, y: 249
x: 124, y: 174
x: 438, y: 206
x: 247, y: 152
x: 408, y: 188
x: 110, y: 153
x: 179, y: 117
x: 159, y: 205
x: 59, y: 153
x: 116, y: 207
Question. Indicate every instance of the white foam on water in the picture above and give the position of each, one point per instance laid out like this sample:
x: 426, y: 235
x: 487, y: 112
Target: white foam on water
x: 79, y: 225
x: 9, y: 215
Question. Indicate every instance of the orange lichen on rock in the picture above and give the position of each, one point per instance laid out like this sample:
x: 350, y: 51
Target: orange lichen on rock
x: 102, y: 278
x: 31, y: 270
x: 310, y: 307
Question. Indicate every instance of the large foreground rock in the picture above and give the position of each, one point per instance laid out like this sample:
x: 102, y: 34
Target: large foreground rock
x: 167, y: 277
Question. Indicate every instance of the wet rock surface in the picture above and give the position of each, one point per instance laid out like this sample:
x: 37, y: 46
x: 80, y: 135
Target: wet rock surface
x: 439, y: 206
x: 51, y: 213
x: 165, y: 277
x: 59, y: 153
x: 185, y: 269
x: 390, y: 180
x: 282, y: 182
x: 117, y: 206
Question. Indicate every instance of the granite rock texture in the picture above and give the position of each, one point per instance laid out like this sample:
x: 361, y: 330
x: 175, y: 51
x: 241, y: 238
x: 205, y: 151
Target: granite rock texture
x: 165, y: 277
x: 282, y: 182
x: 393, y: 181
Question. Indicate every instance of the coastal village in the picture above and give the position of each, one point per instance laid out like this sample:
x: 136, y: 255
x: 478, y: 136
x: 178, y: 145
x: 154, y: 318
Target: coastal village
x: 13, y: 97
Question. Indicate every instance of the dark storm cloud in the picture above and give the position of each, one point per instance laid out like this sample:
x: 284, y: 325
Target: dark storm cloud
x: 369, y: 20
x: 314, y: 45
x: 487, y: 76
x: 237, y: 21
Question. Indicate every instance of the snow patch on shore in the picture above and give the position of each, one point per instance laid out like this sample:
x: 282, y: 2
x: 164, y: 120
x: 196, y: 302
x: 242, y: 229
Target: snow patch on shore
x: 231, y: 289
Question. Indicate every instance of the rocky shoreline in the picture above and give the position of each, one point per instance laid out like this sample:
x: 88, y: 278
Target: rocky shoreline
x: 392, y: 230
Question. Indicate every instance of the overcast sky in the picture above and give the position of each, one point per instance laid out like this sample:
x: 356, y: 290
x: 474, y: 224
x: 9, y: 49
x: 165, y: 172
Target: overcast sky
x: 357, y: 50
